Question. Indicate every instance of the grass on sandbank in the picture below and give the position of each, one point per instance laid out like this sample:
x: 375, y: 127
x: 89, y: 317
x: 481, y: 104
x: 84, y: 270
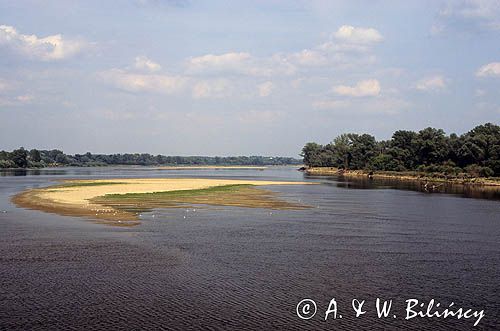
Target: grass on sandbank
x: 237, y: 195
x: 178, y: 193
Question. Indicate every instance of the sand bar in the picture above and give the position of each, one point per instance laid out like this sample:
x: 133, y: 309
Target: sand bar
x: 77, y: 197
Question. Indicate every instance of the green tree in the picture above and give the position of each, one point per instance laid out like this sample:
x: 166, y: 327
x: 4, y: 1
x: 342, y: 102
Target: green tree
x: 34, y: 155
x: 403, y: 148
x: 312, y: 155
x: 341, y: 147
x: 431, y: 146
x: 19, y: 157
x: 362, y: 148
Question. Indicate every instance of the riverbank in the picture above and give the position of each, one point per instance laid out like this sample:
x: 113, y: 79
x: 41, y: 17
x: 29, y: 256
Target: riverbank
x: 121, y: 201
x: 404, y: 176
x: 160, y: 167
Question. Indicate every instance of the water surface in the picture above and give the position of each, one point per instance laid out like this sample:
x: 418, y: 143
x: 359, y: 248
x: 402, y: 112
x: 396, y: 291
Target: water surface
x: 224, y: 268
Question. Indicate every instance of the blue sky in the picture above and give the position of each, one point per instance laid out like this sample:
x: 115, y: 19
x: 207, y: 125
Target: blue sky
x: 241, y: 77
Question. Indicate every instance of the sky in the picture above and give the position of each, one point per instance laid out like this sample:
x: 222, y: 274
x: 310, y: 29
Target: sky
x: 258, y: 77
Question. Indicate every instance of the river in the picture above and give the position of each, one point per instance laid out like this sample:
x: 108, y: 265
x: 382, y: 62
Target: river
x: 230, y: 268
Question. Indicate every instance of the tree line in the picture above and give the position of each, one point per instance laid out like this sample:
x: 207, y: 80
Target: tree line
x: 23, y: 158
x: 475, y: 153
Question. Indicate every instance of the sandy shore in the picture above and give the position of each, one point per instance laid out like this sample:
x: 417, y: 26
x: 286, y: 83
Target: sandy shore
x: 77, y: 197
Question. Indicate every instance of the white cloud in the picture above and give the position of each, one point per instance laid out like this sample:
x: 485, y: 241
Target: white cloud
x: 275, y: 65
x: 350, y: 39
x: 115, y: 115
x: 483, y: 14
x: 224, y: 62
x: 433, y: 83
x: 265, y: 89
x: 489, y: 70
x: 27, y: 98
x: 16, y: 100
x: 4, y: 85
x: 260, y: 117
x: 364, y: 88
x: 278, y: 64
x: 296, y: 83
x: 239, y: 63
x: 389, y: 106
x: 341, y: 49
x: 218, y: 88
x: 479, y: 8
x: 352, y: 35
x: 144, y: 82
x: 221, y: 75
x: 144, y: 63
x: 309, y: 57
x: 479, y: 93
x: 381, y: 105
x: 331, y: 104
x: 49, y: 48
x: 348, y: 47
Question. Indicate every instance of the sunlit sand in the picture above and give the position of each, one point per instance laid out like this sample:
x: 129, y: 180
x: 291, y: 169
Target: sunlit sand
x: 118, y: 200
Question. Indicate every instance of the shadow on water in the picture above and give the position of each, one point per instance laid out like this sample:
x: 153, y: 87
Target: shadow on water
x: 466, y: 191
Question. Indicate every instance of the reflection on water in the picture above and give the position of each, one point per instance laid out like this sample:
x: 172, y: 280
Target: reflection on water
x: 32, y: 172
x: 467, y: 191
x: 228, y: 268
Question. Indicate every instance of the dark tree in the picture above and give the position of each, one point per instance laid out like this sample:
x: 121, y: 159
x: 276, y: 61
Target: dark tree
x: 362, y: 149
x: 431, y: 146
x: 19, y: 157
x: 35, y: 155
x: 312, y: 154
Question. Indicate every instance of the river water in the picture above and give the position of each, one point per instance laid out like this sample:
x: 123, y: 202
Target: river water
x: 225, y: 268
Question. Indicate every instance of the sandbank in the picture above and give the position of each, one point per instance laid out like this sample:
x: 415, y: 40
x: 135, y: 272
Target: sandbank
x: 102, y: 199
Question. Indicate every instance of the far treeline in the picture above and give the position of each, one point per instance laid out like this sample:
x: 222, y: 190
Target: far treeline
x: 22, y: 158
x: 475, y: 153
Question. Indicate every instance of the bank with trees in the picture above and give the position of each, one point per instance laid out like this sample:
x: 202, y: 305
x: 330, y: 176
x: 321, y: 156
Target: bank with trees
x: 23, y: 158
x: 431, y: 151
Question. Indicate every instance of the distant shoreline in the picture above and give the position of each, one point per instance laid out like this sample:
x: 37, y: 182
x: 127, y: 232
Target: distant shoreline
x: 402, y: 176
x: 158, y: 167
x: 34, y: 158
